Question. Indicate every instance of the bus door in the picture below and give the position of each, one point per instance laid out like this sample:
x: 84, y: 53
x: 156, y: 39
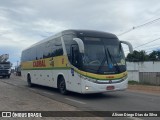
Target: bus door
x: 74, y: 78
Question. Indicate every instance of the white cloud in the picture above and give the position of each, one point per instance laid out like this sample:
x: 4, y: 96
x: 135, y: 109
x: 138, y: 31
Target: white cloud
x: 24, y: 23
x: 48, y: 25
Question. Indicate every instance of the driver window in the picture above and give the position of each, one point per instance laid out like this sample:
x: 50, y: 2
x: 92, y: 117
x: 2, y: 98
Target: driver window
x: 75, y: 55
x: 93, y: 54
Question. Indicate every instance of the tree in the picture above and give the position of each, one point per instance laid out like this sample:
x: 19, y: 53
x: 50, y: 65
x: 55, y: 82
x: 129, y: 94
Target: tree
x: 153, y: 56
x: 158, y: 55
x: 137, y: 56
x: 143, y: 56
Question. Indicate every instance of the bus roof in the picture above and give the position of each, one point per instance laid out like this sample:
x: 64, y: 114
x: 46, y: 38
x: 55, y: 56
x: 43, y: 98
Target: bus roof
x: 89, y: 33
x: 78, y: 33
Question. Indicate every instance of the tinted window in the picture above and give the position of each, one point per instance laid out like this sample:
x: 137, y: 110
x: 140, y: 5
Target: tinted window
x: 29, y: 54
x: 40, y: 50
x: 53, y: 48
x: 68, y: 41
x: 48, y: 49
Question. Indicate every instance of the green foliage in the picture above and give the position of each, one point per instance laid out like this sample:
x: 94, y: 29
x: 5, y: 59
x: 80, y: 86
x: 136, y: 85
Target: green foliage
x: 133, y: 82
x: 139, y: 56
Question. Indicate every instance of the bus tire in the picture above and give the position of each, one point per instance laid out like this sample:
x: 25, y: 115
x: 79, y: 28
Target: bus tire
x: 62, y: 86
x: 3, y: 76
x: 29, y: 81
x: 8, y: 76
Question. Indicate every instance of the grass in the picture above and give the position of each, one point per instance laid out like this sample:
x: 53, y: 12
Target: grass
x: 133, y: 82
x: 138, y: 83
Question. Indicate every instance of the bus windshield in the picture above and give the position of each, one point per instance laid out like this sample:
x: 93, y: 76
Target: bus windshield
x: 103, y: 56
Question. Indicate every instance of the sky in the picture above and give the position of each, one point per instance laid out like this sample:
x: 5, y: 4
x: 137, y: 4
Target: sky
x: 23, y: 23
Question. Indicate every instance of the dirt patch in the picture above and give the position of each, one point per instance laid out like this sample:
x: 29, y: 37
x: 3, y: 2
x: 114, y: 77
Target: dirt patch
x: 145, y: 89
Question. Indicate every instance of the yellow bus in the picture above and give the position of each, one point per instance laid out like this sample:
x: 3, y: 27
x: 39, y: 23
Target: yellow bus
x: 82, y: 61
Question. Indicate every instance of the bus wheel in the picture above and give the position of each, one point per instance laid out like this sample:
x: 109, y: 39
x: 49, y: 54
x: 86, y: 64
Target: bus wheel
x: 8, y: 76
x: 3, y: 76
x: 62, y: 86
x: 29, y: 81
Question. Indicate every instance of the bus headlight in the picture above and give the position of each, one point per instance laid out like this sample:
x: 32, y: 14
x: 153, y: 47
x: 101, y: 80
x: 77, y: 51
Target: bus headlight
x: 87, y: 87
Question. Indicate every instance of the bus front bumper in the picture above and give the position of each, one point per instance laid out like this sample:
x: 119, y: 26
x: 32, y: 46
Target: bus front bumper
x: 91, y: 87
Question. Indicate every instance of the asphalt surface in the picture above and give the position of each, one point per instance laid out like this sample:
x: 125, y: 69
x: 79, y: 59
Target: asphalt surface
x: 111, y: 101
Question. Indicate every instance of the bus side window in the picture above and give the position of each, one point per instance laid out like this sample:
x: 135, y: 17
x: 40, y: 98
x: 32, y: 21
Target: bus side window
x: 68, y: 41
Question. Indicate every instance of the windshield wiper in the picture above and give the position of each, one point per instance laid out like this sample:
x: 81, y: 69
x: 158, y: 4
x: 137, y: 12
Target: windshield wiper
x: 112, y: 59
x: 103, y: 61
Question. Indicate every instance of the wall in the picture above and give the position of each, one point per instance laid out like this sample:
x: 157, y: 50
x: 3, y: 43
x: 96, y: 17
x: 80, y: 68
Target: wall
x: 144, y: 72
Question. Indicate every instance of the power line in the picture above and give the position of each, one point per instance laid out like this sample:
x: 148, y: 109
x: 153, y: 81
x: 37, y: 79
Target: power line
x: 145, y: 43
x: 125, y: 32
x: 153, y: 48
x: 150, y: 46
x: 148, y: 50
x: 150, y: 22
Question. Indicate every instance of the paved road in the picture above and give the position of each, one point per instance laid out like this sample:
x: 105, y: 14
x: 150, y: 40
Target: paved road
x: 112, y: 101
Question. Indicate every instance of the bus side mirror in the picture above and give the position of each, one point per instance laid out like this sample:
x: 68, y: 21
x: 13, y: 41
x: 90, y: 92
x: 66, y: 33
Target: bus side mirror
x: 75, y: 55
x: 129, y: 45
x: 80, y: 44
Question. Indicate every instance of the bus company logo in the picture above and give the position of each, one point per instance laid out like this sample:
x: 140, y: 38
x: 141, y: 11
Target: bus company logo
x: 110, y: 81
x: 39, y: 63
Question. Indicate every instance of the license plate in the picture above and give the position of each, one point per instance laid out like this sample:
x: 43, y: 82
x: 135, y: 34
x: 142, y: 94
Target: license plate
x: 110, y: 87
